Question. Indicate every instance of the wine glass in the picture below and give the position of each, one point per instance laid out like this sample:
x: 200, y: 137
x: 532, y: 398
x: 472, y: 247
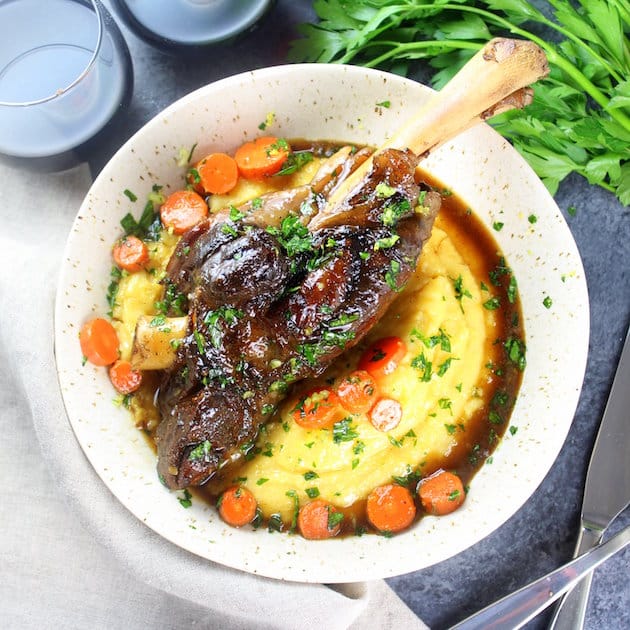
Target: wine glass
x: 65, y: 73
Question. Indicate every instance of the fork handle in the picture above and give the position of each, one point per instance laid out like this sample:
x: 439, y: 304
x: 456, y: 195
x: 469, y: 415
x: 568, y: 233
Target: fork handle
x: 516, y: 609
x: 570, y: 612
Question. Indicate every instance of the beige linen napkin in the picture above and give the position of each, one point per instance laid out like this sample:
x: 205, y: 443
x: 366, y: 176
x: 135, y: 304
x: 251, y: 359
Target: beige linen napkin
x: 37, y: 213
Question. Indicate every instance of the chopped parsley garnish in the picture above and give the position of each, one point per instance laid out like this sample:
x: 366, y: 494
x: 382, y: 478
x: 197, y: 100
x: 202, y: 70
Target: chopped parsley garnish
x: 492, y: 304
x: 495, y: 418
x: 275, y: 524
x: 386, y: 242
x: 295, y: 161
x: 334, y: 518
x: 500, y: 270
x: 174, y: 302
x: 393, y: 211
x: 444, y: 366
x: 547, y: 302
x: 500, y: 398
x: 214, y: 320
x: 344, y: 431
x: 312, y: 493
x: 157, y: 321
x: 497, y: 226
x: 236, y: 214
x: 292, y: 494
x: 384, y: 191
x: 442, y: 338
x: 515, y: 349
x: 512, y: 290
x: 149, y: 225
x: 131, y: 196
x: 460, y: 291
x: 200, y: 341
x: 424, y: 366
x: 391, y: 276
x: 112, y: 290
x: 200, y: 452
x: 185, y: 501
x: 294, y: 237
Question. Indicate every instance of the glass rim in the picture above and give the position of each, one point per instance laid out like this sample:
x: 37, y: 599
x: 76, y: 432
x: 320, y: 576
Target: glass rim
x: 100, y: 18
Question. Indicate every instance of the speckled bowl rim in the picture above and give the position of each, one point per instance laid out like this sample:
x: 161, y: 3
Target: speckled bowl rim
x: 330, y: 102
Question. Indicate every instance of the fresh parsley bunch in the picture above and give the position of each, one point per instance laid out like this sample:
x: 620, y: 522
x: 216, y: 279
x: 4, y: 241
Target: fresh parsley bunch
x: 580, y: 118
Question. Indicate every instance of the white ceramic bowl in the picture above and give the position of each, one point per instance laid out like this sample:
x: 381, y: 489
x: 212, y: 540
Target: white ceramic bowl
x: 337, y: 103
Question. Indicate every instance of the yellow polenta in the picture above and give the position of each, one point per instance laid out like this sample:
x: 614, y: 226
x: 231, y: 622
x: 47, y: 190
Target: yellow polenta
x: 435, y: 411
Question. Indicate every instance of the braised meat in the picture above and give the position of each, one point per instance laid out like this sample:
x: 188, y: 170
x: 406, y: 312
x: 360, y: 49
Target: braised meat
x: 269, y: 306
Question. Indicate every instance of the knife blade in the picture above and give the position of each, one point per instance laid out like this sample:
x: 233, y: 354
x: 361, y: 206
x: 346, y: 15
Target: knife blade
x: 607, y: 489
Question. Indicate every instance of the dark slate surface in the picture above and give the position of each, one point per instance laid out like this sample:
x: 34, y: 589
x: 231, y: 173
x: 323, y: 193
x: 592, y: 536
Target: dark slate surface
x: 541, y: 536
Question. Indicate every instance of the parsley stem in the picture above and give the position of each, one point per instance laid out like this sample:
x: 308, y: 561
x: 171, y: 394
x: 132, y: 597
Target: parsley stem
x: 397, y: 48
x: 554, y: 57
x: 580, y: 42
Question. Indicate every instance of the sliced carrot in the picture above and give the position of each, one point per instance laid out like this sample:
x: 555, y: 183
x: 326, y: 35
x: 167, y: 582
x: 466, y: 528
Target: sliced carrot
x: 99, y: 342
x: 386, y: 414
x: 217, y: 174
x: 383, y: 356
x: 131, y: 253
x: 441, y: 493
x: 237, y: 506
x: 182, y: 210
x: 391, y: 508
x: 357, y: 392
x: 319, y: 409
x: 124, y: 378
x: 319, y: 520
x: 262, y: 157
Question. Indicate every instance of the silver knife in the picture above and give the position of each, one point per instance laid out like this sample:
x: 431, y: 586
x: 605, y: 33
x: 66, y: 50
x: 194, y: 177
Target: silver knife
x: 607, y: 490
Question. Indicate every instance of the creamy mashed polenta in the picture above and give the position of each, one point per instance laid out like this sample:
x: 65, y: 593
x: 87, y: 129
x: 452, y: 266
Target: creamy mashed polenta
x: 441, y: 383
x: 455, y: 384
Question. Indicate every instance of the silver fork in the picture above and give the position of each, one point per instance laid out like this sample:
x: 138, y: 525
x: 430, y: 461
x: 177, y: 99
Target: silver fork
x: 516, y: 609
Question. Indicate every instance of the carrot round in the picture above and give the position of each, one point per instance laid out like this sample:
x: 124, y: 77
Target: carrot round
x: 319, y: 409
x: 383, y: 356
x: 99, y: 342
x: 237, y: 506
x: 182, y: 210
x: 319, y: 520
x: 262, y: 157
x: 391, y: 508
x: 217, y: 174
x: 131, y: 253
x: 386, y: 414
x: 124, y: 378
x: 357, y: 392
x: 441, y: 493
